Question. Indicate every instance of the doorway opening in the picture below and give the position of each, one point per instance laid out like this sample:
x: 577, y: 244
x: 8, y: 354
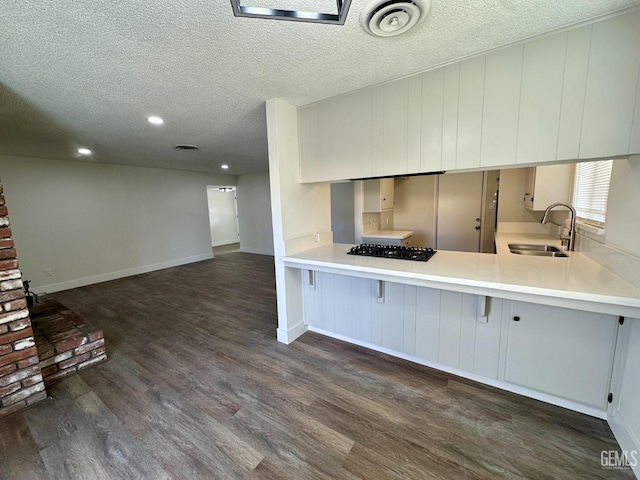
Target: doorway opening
x: 223, y: 218
x: 466, y: 217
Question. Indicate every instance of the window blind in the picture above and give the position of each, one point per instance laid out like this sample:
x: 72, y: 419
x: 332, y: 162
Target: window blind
x: 591, y: 189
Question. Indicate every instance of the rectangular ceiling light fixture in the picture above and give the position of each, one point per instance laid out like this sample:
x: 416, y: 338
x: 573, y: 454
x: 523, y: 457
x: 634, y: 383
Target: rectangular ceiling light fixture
x: 335, y: 18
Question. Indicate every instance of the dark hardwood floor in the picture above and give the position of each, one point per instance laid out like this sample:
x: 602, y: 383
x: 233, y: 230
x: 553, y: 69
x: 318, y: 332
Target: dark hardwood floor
x: 198, y: 388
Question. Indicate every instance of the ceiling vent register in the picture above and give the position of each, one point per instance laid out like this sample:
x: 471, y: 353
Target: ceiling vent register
x: 389, y: 18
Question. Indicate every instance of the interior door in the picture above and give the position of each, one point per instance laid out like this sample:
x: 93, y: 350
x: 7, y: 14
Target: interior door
x: 459, y: 212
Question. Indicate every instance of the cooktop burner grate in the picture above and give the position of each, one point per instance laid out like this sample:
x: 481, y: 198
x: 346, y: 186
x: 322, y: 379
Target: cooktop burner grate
x: 389, y: 251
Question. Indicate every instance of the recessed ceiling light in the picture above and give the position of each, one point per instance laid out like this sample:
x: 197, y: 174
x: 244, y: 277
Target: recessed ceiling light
x: 84, y: 151
x: 224, y: 167
x: 155, y: 120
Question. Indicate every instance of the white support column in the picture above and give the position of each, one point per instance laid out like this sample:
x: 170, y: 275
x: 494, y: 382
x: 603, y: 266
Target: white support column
x: 301, y: 215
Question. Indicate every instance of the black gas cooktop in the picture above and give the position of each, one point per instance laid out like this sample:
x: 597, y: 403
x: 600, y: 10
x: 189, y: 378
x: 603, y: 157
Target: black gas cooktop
x: 387, y: 251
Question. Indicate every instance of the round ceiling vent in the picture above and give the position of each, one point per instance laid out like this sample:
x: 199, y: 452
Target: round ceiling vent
x: 388, y: 18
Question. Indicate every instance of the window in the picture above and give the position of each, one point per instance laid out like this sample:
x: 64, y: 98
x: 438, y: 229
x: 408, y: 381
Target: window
x: 590, y: 191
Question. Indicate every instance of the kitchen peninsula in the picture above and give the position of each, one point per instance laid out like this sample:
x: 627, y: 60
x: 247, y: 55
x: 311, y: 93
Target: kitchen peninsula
x: 482, y: 316
x: 534, y: 326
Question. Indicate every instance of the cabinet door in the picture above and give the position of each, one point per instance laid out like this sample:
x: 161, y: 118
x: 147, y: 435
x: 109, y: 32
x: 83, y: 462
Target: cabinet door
x: 611, y: 86
x: 450, y: 116
x: 360, y: 161
x: 333, y: 137
x: 387, y: 197
x: 503, y: 77
x: 574, y: 84
x: 562, y: 352
x: 547, y: 184
x: 634, y: 143
x: 378, y: 195
x: 470, y: 103
x: 529, y: 187
x: 431, y: 142
x: 541, y: 98
x: 395, y: 127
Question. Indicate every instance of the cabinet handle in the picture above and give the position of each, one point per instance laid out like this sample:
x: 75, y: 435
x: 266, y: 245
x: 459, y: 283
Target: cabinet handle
x: 516, y: 319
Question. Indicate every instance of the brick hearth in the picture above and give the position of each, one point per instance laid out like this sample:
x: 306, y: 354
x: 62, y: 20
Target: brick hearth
x: 66, y: 343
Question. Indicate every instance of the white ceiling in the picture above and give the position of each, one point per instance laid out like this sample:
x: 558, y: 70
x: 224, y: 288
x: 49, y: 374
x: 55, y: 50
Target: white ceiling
x: 88, y: 72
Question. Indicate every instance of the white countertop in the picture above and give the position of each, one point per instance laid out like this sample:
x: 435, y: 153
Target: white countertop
x: 388, y: 234
x: 573, y: 282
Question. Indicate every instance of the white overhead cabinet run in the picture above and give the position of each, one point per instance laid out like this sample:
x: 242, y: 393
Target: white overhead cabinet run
x: 571, y: 95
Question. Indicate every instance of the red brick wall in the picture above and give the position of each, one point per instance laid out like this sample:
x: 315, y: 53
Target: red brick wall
x: 21, y: 382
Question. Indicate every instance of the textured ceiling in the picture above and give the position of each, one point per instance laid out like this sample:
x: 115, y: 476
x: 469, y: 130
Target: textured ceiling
x: 88, y: 72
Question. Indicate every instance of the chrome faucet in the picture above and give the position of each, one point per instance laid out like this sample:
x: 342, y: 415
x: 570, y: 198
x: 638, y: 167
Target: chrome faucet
x: 571, y: 238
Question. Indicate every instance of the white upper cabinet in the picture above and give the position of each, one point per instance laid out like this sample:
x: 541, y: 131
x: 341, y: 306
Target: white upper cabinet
x: 612, y: 86
x: 503, y: 77
x: 470, y: 103
x: 541, y: 98
x: 573, y: 88
x: 431, y: 131
x: 395, y: 138
x: 450, y: 116
x: 567, y: 96
x: 634, y: 142
x: 414, y: 127
x: 359, y: 162
x: 547, y: 184
x: 378, y: 195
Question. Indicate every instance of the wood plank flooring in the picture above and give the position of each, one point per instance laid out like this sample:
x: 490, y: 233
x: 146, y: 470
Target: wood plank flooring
x: 198, y: 388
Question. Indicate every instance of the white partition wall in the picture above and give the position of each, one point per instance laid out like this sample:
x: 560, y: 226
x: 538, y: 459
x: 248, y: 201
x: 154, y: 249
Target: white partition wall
x: 301, y: 214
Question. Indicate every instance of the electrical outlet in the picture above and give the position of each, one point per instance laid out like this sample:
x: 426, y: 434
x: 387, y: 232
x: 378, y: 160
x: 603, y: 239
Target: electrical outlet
x: 47, y: 272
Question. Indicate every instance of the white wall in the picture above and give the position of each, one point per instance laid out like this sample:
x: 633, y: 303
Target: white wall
x: 90, y: 222
x: 254, y: 213
x: 223, y: 223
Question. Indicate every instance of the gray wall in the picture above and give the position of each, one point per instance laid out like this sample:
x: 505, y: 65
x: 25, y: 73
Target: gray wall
x: 90, y: 222
x: 254, y: 213
x: 342, y: 213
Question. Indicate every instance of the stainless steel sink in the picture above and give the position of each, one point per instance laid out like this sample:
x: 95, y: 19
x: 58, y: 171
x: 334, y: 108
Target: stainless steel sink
x: 534, y: 247
x: 536, y: 250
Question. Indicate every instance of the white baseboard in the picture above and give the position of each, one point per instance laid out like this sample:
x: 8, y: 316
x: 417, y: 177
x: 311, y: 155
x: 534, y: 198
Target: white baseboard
x: 220, y: 243
x: 626, y: 439
x: 105, y: 277
x: 257, y: 251
x: 288, y: 336
x: 543, y: 397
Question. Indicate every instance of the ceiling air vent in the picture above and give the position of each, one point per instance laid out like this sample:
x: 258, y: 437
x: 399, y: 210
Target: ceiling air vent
x: 389, y: 18
x: 189, y: 148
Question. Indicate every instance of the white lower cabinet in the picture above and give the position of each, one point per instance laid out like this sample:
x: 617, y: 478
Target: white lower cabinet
x: 559, y: 352
x: 434, y: 325
x: 562, y: 352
